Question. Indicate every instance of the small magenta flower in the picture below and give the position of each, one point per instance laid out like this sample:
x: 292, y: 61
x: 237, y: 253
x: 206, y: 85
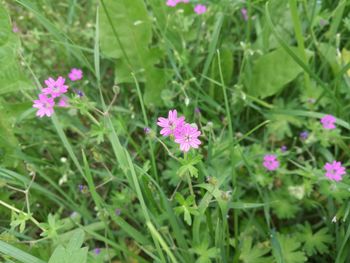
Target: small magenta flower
x: 172, y: 3
x: 284, y: 148
x: 97, y: 251
x: 270, y: 162
x: 44, y: 105
x: 147, y: 130
x: 197, y: 110
x: 170, y: 124
x: 63, y: 102
x: 304, y: 135
x: 244, y: 13
x: 328, y: 122
x: 200, y: 9
x: 55, y: 88
x: 334, y: 171
x: 75, y: 74
x: 187, y: 137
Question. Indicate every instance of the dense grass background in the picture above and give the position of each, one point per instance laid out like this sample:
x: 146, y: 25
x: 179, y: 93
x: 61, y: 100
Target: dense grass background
x: 89, y: 185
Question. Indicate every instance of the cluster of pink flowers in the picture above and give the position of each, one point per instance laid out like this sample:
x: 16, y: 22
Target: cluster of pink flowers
x: 54, y: 90
x: 199, y: 9
x: 328, y: 121
x: 334, y: 170
x: 270, y: 162
x: 183, y: 133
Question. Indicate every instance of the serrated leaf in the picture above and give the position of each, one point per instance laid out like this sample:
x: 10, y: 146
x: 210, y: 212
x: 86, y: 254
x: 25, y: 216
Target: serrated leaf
x: 314, y: 242
x: 253, y: 254
x: 291, y: 249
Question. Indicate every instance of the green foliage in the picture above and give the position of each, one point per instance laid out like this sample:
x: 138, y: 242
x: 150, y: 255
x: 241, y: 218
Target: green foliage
x: 271, y: 72
x: 205, y: 254
x: 188, y: 166
x: 72, y: 252
x: 253, y: 254
x: 92, y: 169
x: 290, y: 249
x: 314, y: 243
x: 186, y: 207
x: 12, y: 81
x: 129, y: 45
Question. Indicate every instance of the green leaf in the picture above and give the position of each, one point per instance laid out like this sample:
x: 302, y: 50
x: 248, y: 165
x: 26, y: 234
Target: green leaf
x: 18, y: 254
x: 204, y: 252
x: 11, y: 77
x: 72, y: 252
x: 11, y: 80
x: 186, y: 207
x: 253, y: 254
x: 314, y: 242
x: 129, y: 45
x: 188, y: 166
x: 271, y: 72
x: 291, y: 249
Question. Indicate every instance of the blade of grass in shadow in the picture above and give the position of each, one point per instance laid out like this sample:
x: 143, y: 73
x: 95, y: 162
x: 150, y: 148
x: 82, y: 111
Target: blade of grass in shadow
x: 300, y: 39
x: 181, y: 241
x: 145, y: 210
x: 126, y: 250
x: 18, y: 254
x: 150, y: 143
x: 337, y: 18
x: 276, y: 248
x: 66, y: 144
x: 339, y: 258
x: 296, y: 57
x: 212, y: 45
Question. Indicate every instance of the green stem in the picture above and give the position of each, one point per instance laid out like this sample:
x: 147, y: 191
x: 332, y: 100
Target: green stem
x: 151, y: 149
x: 230, y: 128
x: 21, y: 212
x: 300, y: 39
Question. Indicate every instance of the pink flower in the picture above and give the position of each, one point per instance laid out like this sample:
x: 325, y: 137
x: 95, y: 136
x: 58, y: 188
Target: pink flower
x: 44, y: 106
x: 200, y: 9
x: 63, y: 102
x: 172, y: 3
x: 334, y: 171
x: 75, y: 74
x: 55, y: 88
x: 15, y: 28
x: 187, y: 137
x: 270, y: 162
x: 244, y: 13
x: 328, y: 122
x: 170, y: 124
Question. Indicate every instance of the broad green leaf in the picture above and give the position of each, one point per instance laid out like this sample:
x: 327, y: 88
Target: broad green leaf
x: 72, y: 252
x: 129, y: 45
x: 271, y: 72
